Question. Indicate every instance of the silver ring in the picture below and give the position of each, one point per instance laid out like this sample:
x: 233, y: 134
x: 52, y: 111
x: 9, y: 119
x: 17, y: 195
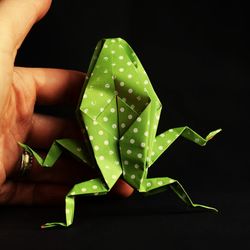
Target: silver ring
x: 26, y: 162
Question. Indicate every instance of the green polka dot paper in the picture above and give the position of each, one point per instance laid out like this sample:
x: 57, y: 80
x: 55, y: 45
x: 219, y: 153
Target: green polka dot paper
x: 119, y: 113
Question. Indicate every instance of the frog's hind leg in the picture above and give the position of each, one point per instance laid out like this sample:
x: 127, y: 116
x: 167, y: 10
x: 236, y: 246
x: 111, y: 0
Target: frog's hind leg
x: 91, y: 187
x: 160, y: 184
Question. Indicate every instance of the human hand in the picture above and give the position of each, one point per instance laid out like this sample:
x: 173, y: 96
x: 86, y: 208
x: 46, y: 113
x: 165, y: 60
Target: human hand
x: 20, y: 89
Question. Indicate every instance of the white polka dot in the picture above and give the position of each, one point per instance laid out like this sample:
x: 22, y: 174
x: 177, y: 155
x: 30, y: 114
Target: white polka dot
x: 105, y: 119
x: 138, y: 119
x: 85, y: 111
x: 149, y: 184
x: 132, y: 106
x: 121, y: 69
x: 94, y: 187
x: 106, y: 142
x: 101, y: 94
x: 101, y: 158
x: 152, y: 153
x: 138, y: 98
x: 121, y: 57
x: 132, y: 141
x: 135, y: 130
x: 114, y: 177
x: 78, y: 149
x: 132, y: 176
x: 136, y: 166
x: 111, y: 152
x: 117, y: 162
x: 105, y: 71
x: 196, y: 140
x: 107, y: 167
x: 85, y: 96
x: 171, y: 130
x: 129, y: 63
x: 72, y: 193
x: 96, y: 147
x: 129, y: 152
x: 112, y: 110
x: 168, y: 141
x: 139, y: 155
x: 130, y: 91
x: 107, y: 85
x: 124, y: 99
x: 112, y: 40
x: 122, y: 109
x: 105, y: 58
x: 67, y: 211
x: 130, y: 76
x: 146, y: 82
x: 109, y: 100
x: 84, y: 190
x: 105, y: 46
x: 125, y: 162
x: 112, y: 51
x: 160, y: 183
x: 162, y: 135
x: 160, y: 148
x: 146, y: 133
x: 123, y: 125
x: 100, y: 132
x: 130, y: 117
x: 143, y: 144
x: 101, y: 109
x: 114, y: 125
x: 122, y: 84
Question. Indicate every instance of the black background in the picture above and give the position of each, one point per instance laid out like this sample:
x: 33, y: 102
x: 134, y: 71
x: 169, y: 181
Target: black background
x: 197, y: 58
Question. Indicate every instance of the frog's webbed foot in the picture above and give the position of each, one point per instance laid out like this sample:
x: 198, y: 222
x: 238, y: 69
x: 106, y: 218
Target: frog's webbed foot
x: 56, y: 149
x: 160, y: 184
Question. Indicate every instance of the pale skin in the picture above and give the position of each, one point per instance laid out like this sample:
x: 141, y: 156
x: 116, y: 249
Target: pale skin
x: 22, y: 88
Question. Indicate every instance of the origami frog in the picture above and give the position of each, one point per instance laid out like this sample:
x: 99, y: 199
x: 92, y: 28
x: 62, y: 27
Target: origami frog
x: 118, y: 114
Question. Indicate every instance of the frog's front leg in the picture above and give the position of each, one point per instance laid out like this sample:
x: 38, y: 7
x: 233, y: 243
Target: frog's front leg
x: 164, y: 140
x: 56, y: 149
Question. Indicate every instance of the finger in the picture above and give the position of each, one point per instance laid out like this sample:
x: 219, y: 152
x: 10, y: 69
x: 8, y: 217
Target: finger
x: 45, y: 129
x: 54, y: 86
x: 25, y: 193
x: 17, y: 18
x: 122, y: 189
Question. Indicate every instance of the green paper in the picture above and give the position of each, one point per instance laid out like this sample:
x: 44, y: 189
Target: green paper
x: 118, y: 113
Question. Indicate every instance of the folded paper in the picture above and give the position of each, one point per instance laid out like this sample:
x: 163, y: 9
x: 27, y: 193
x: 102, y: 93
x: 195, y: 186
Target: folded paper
x: 118, y: 113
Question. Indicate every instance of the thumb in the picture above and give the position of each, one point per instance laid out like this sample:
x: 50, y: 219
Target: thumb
x: 16, y: 19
